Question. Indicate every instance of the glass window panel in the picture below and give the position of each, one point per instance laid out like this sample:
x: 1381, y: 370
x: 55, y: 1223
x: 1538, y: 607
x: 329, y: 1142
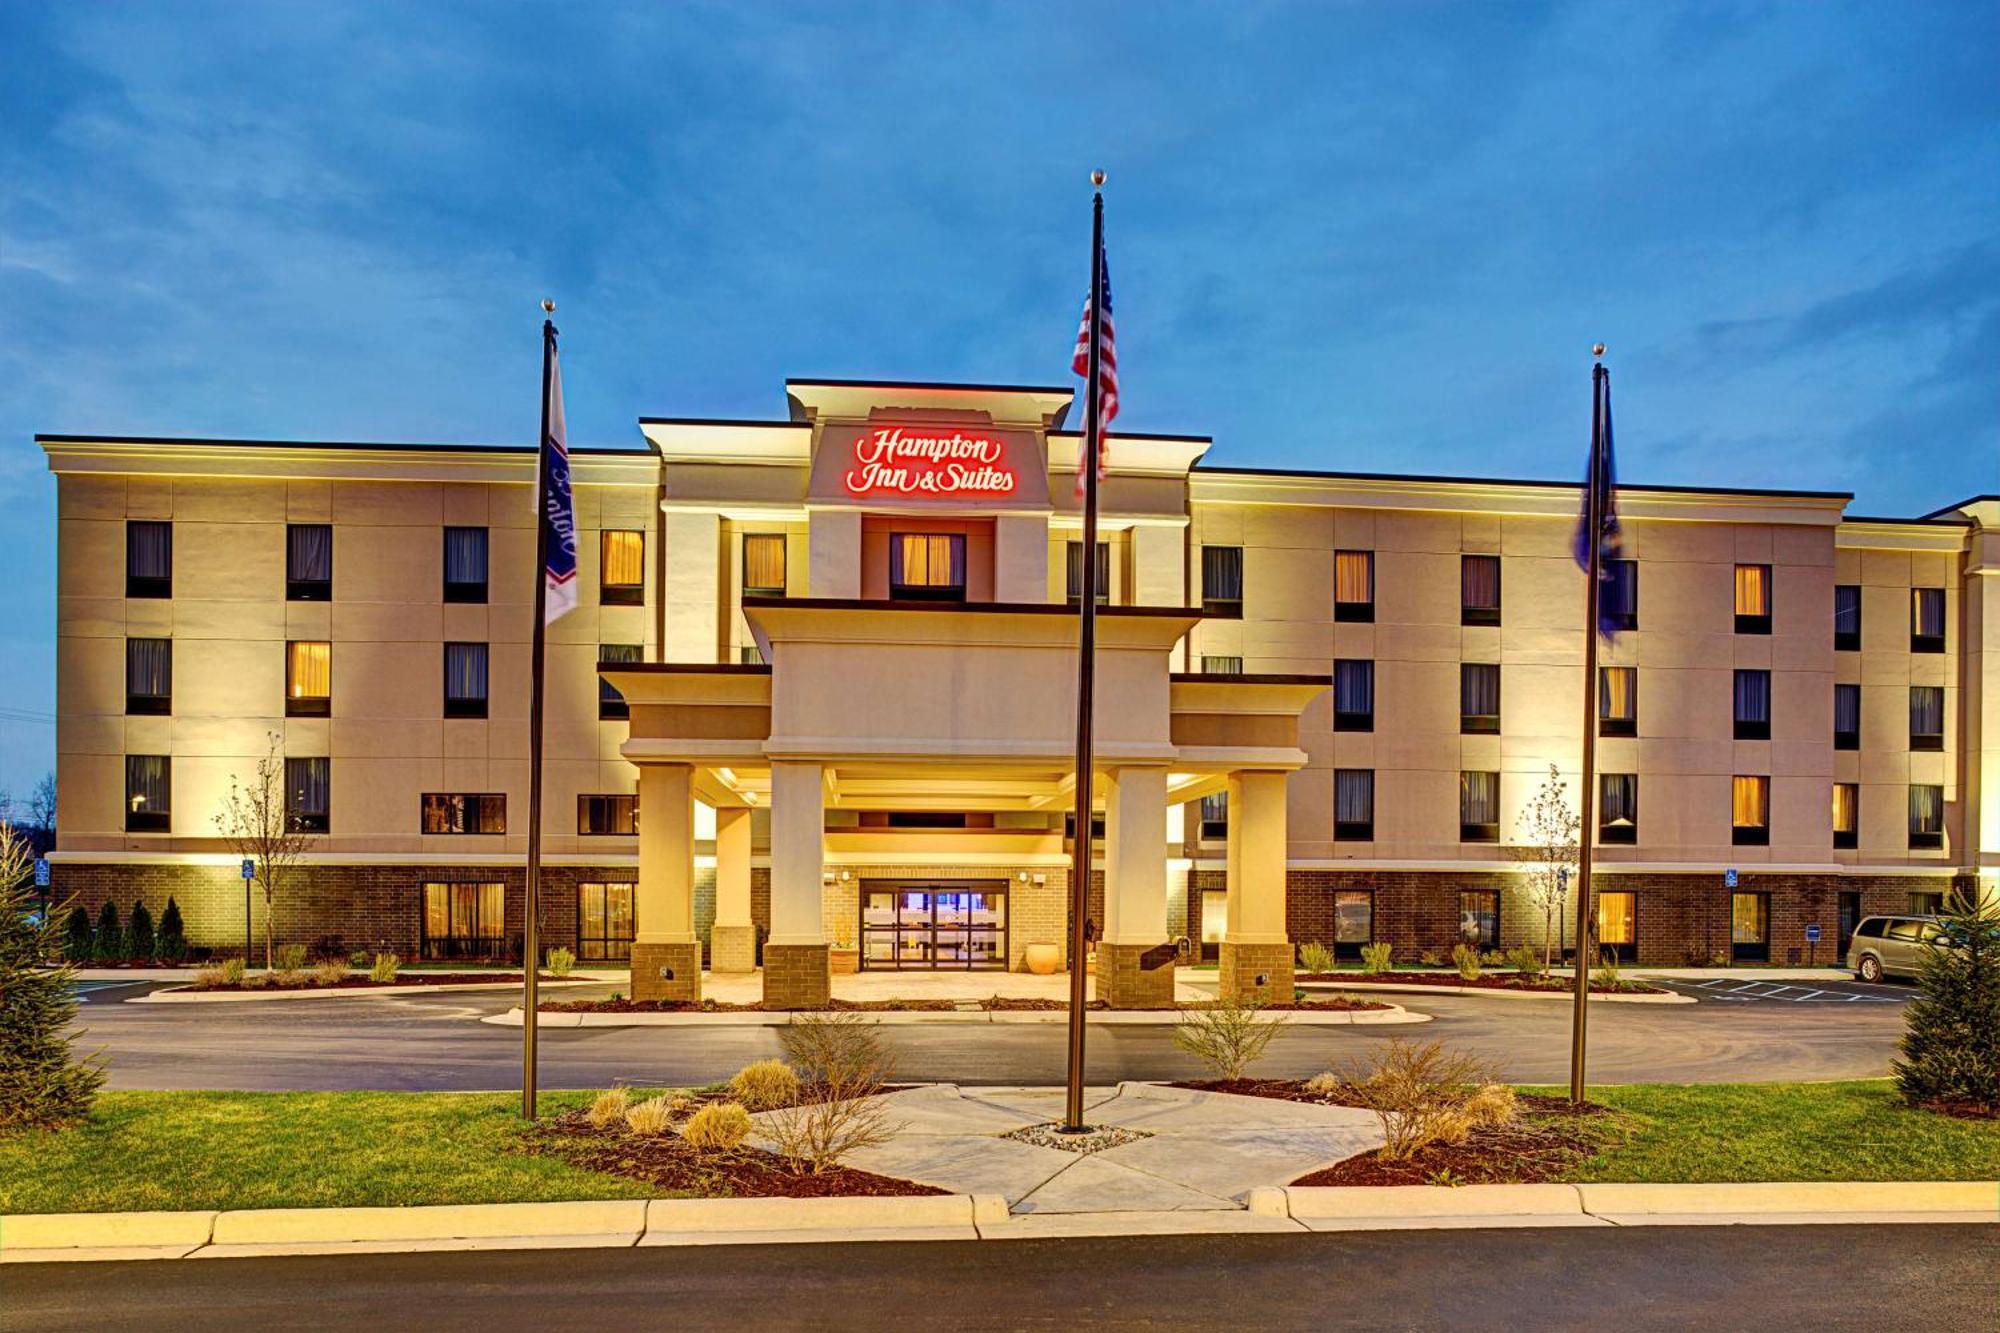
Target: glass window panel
x: 764, y: 562
x: 1479, y: 917
x: 1479, y: 689
x: 149, y: 669
x: 1926, y: 808
x: 1618, y: 800
x: 1222, y: 573
x: 1354, y: 576
x: 1846, y: 709
x: 1749, y: 918
x: 1927, y: 612
x: 1847, y: 612
x: 465, y: 671
x: 1479, y: 582
x: 1354, y: 795
x: 1353, y: 916
x: 465, y: 564
x: 1618, y: 693
x: 308, y: 670
x: 1753, y: 590
x: 1617, y: 918
x: 624, y: 558
x: 1753, y: 696
x: 610, y: 702
x: 149, y: 550
x: 148, y: 792
x: 1479, y: 798
x: 1846, y: 806
x: 1073, y: 570
x: 1221, y: 666
x: 1926, y: 710
x: 934, y: 561
x: 1354, y: 687
x: 307, y: 784
x: 1750, y: 802
x: 1618, y: 597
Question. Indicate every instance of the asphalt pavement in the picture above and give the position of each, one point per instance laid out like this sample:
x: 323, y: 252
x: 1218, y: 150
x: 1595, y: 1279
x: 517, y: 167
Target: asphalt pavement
x: 1806, y: 1279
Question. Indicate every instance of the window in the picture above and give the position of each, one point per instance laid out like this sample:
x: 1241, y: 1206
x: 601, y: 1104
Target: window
x: 1847, y: 717
x: 1215, y: 817
x: 465, y: 680
x: 1617, y: 808
x: 1846, y: 815
x: 308, y: 678
x: 149, y: 559
x: 1922, y: 902
x: 604, y: 922
x: 1354, y: 585
x: 1479, y: 590
x: 308, y: 562
x: 610, y: 703
x: 1479, y: 807
x: 1354, y: 804
x: 149, y: 675
x: 465, y: 920
x: 1618, y: 599
x: 1074, y: 570
x: 764, y: 564
x: 1618, y: 701
x: 1753, y: 599
x: 1750, y: 811
x: 1618, y: 925
x: 1222, y: 582
x: 1927, y: 620
x: 1353, y: 921
x: 1926, y: 717
x: 1926, y: 816
x: 751, y: 655
x: 929, y: 566
x: 1750, y: 927
x: 1354, y: 695
x: 1478, y: 697
x: 1753, y: 705
x: 307, y: 791
x: 1847, y: 618
x: 464, y: 812
x: 1479, y: 917
x: 607, y: 815
x: 1221, y: 666
x: 621, y: 578
x: 465, y: 564
x: 149, y: 793
x: 1096, y: 827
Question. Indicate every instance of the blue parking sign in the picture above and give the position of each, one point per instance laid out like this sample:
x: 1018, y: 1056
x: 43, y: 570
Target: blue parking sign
x: 249, y: 868
x: 41, y: 872
x: 1812, y: 933
x: 1729, y: 878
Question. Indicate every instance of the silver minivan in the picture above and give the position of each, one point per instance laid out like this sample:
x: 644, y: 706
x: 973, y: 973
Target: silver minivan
x: 1891, y: 945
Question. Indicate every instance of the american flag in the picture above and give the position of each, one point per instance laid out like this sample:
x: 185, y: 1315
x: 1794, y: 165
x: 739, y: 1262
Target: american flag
x: 1107, y: 369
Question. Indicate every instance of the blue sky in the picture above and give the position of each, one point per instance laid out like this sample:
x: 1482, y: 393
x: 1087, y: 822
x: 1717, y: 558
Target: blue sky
x: 1359, y: 236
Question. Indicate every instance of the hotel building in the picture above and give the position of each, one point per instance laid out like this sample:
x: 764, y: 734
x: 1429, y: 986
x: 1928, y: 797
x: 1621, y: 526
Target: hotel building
x: 815, y: 709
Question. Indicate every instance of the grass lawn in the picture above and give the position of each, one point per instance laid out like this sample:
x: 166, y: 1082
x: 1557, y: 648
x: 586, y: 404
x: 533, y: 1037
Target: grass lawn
x: 144, y: 1150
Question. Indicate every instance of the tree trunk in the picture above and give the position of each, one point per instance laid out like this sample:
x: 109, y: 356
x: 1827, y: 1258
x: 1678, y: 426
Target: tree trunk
x: 268, y: 934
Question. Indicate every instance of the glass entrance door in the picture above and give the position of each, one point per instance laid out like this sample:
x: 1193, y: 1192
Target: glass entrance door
x: 934, y: 927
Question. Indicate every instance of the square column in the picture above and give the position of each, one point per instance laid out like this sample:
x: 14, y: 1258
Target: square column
x: 1256, y: 951
x: 732, y: 940
x: 796, y: 963
x: 666, y: 956
x: 1135, y: 962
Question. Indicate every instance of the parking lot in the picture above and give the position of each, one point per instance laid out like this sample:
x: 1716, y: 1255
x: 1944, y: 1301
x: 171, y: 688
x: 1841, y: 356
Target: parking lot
x: 1737, y: 990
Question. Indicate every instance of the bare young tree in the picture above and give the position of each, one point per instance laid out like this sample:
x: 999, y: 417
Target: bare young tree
x: 256, y: 823
x: 40, y: 810
x: 1549, y: 831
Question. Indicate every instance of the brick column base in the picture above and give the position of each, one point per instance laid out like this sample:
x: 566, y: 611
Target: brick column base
x: 1242, y: 964
x: 651, y: 964
x: 1123, y: 984
x: 797, y: 976
x: 732, y: 948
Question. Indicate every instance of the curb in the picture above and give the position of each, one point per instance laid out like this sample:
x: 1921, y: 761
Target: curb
x: 1367, y: 1207
x: 1395, y: 1013
x: 172, y: 996
x: 1361, y: 990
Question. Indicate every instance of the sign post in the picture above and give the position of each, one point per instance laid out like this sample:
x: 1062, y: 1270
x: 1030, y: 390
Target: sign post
x: 1812, y: 945
x: 249, y: 874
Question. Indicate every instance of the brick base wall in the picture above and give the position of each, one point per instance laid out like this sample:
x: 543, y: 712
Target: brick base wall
x: 1124, y: 984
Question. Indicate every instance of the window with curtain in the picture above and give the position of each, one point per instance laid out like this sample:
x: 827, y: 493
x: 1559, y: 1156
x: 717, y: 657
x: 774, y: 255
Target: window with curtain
x: 149, y: 558
x: 1215, y: 816
x: 465, y: 680
x: 1753, y: 705
x: 308, y: 784
x: 465, y: 920
x: 1353, y: 921
x: 927, y: 565
x: 1753, y: 599
x: 308, y: 678
x: 1750, y: 811
x: 751, y: 655
x: 149, y: 793
x: 1478, y: 697
x: 1924, y: 902
x: 1847, y: 617
x: 149, y: 676
x: 1618, y: 598
x: 605, y: 924
x: 1354, y: 804
x: 1221, y: 666
x: 1846, y: 814
x: 1479, y: 917
x: 1073, y: 570
x: 1618, y: 808
x: 1354, y: 585
x: 1847, y: 717
x: 1618, y: 924
x: 609, y: 815
x: 465, y: 564
x: 1926, y: 815
x: 610, y: 703
x: 1927, y: 620
x: 621, y: 573
x: 464, y: 812
x: 1750, y: 927
x: 1222, y: 582
x: 1479, y: 590
x: 764, y: 564
x: 1354, y: 695
x: 1478, y: 807
x: 1926, y: 717
x: 308, y: 562
x: 1618, y: 701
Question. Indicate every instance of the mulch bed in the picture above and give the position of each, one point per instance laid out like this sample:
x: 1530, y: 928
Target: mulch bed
x: 1487, y: 981
x: 669, y: 1162
x: 1029, y: 1004
x: 719, y: 1007
x: 363, y: 982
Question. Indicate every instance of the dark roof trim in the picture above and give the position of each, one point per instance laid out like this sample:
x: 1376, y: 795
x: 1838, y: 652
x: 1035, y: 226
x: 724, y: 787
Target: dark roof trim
x: 1967, y: 502
x: 391, y: 446
x: 689, y: 668
x: 1247, y: 678
x: 1139, y: 435
x: 930, y: 384
x: 1512, y: 481
x: 983, y: 608
x: 723, y: 421
x: 1942, y: 519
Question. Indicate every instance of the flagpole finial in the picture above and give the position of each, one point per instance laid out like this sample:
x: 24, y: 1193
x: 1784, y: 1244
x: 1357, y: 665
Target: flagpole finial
x: 1097, y: 179
x: 548, y: 307
x: 1597, y: 349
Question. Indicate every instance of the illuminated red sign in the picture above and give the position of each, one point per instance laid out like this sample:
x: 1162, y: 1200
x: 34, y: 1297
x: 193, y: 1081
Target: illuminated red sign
x: 892, y: 460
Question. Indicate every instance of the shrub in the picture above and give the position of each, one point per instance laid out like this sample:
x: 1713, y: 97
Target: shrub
x: 108, y: 943
x: 1493, y: 958
x: 360, y: 960
x: 1466, y: 958
x: 42, y: 1084
x: 844, y: 1064
x: 1419, y: 1092
x: 608, y: 1108
x: 1315, y: 958
x: 1951, y: 1041
x: 720, y: 1125
x: 232, y: 971
x: 330, y: 973
x: 139, y: 940
x: 840, y: 1047
x: 172, y: 946
x: 292, y: 958
x: 1375, y: 957
x: 1321, y: 1085
x: 1607, y: 975
x: 652, y: 1116
x: 1526, y: 961
x: 1226, y: 1035
x: 561, y: 962
x: 1430, y: 959
x: 383, y: 970
x: 1491, y: 1105
x: 79, y: 943
x: 764, y: 1085
x: 212, y: 977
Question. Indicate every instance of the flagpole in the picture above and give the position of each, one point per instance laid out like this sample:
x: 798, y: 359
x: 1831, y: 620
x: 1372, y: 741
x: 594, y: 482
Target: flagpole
x: 1086, y: 670
x: 530, y: 936
x: 1586, y: 833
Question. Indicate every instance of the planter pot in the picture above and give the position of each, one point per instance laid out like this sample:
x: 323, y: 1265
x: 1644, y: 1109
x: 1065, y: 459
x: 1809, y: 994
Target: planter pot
x: 1042, y: 959
x: 843, y: 961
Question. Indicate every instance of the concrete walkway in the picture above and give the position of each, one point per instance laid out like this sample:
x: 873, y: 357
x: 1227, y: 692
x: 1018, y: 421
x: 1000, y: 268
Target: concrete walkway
x: 1202, y: 1152
x: 748, y: 987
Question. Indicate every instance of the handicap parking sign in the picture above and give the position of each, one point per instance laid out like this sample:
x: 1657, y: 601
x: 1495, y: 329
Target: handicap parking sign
x: 1729, y: 878
x: 249, y: 868
x: 41, y: 872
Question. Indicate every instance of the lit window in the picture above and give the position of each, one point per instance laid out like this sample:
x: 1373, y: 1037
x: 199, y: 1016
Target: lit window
x: 308, y: 678
x: 1926, y: 816
x: 308, y: 784
x: 1479, y: 917
x: 1354, y: 585
x: 927, y: 565
x: 1750, y: 927
x: 605, y: 924
x: 622, y: 573
x: 1846, y: 814
x: 608, y: 815
x: 764, y: 564
x: 1618, y: 924
x: 1618, y: 701
x: 1479, y: 807
x: 465, y: 921
x: 464, y: 812
x: 149, y: 793
x: 1750, y: 811
x: 1753, y: 599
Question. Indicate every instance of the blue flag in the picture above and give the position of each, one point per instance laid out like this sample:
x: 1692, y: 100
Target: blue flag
x: 1601, y: 474
x: 558, y: 512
